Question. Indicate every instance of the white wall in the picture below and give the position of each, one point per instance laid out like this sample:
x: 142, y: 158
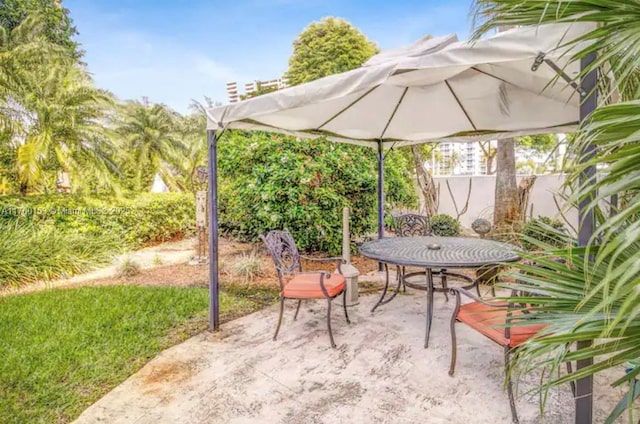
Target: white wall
x: 482, y: 197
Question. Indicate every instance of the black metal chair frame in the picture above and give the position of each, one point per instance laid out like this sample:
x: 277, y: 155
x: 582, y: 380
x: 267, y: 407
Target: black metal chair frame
x: 457, y: 292
x: 288, y: 262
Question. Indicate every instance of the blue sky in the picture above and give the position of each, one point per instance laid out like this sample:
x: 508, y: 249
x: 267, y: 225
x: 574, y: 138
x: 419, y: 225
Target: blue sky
x: 173, y: 51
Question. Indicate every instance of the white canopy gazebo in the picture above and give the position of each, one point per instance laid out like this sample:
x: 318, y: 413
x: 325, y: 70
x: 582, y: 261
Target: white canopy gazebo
x: 518, y: 82
x: 438, y: 89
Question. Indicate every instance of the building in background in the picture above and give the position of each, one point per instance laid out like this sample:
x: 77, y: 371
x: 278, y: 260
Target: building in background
x: 469, y: 159
x: 250, y: 88
x: 458, y: 159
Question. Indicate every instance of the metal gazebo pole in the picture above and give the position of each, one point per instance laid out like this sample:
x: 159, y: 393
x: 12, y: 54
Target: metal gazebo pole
x: 214, y: 310
x: 380, y: 195
x: 380, y: 190
x: 584, y: 386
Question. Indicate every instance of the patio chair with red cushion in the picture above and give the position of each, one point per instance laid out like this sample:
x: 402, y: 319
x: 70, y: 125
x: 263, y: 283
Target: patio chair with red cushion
x: 490, y: 319
x: 298, y: 285
x: 494, y: 320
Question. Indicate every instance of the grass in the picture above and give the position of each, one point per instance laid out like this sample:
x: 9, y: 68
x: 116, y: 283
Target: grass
x: 128, y: 268
x: 247, y: 267
x: 61, y: 350
x: 29, y: 253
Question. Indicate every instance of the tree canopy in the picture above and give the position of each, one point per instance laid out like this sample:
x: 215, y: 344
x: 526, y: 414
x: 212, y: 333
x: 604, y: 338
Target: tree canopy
x: 328, y: 47
x: 58, y: 25
x: 540, y: 143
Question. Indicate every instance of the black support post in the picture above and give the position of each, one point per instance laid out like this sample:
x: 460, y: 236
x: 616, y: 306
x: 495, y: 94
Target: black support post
x: 380, y: 191
x: 380, y: 194
x: 584, y: 386
x: 214, y: 310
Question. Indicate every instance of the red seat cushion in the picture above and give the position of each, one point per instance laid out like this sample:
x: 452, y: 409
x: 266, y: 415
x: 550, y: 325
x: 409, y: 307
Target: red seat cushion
x: 490, y: 321
x: 307, y: 286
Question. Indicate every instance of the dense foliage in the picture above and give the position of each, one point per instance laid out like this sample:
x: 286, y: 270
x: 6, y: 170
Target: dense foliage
x: 328, y: 47
x: 136, y: 221
x: 46, y: 237
x: 30, y: 253
x: 542, y: 232
x: 270, y: 181
x: 57, y: 25
x: 591, y: 297
x: 445, y: 225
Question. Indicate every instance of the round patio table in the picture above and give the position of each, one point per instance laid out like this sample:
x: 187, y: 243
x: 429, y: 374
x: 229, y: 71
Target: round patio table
x: 433, y: 253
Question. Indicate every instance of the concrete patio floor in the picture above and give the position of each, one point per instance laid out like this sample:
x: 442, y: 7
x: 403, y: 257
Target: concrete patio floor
x: 379, y: 373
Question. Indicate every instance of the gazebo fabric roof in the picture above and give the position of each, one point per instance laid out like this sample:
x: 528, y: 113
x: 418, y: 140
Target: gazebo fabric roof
x: 435, y: 90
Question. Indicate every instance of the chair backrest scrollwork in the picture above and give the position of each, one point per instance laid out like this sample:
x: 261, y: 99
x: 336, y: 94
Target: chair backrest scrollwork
x: 411, y: 225
x: 283, y: 251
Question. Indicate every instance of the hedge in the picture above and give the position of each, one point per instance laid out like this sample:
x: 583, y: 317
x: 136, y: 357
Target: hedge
x: 47, y: 237
x: 138, y: 221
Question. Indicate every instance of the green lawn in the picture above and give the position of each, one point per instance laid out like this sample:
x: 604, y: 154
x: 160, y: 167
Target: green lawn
x: 61, y: 350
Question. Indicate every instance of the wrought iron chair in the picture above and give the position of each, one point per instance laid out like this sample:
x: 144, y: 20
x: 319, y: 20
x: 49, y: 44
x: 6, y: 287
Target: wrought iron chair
x: 492, y: 319
x: 298, y: 285
x: 412, y: 225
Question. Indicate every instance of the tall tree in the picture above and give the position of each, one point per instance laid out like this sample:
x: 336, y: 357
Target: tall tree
x: 424, y: 179
x: 60, y: 112
x: 505, y: 212
x: 489, y: 153
x: 149, y: 133
x: 50, y: 110
x: 328, y: 47
x: 58, y: 25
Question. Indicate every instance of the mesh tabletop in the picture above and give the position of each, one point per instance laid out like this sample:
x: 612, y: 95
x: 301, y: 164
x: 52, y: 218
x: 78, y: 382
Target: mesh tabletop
x: 454, y: 252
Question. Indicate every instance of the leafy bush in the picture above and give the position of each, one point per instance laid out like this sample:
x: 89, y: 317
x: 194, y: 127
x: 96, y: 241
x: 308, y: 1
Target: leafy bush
x: 145, y: 219
x: 274, y: 182
x: 30, y: 253
x: 47, y: 237
x: 541, y: 232
x: 445, y: 225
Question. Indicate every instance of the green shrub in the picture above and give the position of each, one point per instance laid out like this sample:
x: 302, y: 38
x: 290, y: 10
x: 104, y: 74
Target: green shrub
x: 30, y: 253
x: 542, y: 232
x: 144, y: 219
x: 445, y: 225
x: 154, y: 218
x: 274, y: 182
x: 47, y: 237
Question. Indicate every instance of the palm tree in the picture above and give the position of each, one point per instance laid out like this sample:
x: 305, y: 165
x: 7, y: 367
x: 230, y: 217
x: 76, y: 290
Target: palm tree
x: 591, y: 295
x: 191, y: 131
x: 60, y: 113
x: 49, y: 110
x: 148, y: 132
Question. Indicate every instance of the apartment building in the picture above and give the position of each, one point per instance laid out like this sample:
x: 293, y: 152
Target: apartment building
x: 234, y: 95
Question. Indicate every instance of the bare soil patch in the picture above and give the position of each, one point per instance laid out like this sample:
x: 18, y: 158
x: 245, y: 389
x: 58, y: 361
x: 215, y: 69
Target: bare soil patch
x: 186, y: 275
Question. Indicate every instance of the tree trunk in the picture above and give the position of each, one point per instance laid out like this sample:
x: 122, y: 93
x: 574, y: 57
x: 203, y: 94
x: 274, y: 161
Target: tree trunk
x: 490, y: 165
x: 505, y: 212
x: 426, y: 183
x: 524, y: 191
